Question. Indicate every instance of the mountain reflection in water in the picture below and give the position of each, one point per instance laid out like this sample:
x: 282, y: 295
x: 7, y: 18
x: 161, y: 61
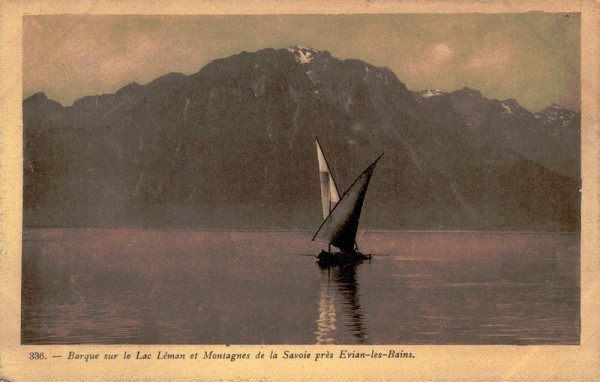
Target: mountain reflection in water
x: 340, y: 314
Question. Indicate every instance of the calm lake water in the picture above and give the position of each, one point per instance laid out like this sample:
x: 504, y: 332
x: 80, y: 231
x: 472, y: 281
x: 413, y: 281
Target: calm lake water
x: 204, y: 287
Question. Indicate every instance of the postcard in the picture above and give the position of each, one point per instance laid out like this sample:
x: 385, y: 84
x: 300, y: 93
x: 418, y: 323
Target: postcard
x: 371, y: 190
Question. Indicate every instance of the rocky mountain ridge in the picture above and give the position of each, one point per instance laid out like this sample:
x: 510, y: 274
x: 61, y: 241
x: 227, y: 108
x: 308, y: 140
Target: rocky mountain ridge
x: 232, y: 146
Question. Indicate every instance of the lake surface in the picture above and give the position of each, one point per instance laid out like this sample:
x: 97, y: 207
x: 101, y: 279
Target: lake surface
x: 128, y: 286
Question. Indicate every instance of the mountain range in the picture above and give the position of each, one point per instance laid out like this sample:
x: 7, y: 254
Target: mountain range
x: 233, y: 146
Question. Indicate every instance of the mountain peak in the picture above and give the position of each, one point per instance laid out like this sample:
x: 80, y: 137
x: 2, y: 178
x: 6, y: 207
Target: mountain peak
x: 39, y: 96
x: 130, y: 88
x: 470, y: 92
x: 169, y: 77
x: 430, y: 93
x: 557, y: 106
x: 303, y: 54
x: 511, y: 106
x: 556, y: 114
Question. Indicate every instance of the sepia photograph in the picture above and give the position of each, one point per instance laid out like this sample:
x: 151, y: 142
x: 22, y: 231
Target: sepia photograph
x: 301, y: 179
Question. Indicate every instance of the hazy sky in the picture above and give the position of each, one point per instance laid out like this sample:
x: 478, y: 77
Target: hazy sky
x: 533, y: 57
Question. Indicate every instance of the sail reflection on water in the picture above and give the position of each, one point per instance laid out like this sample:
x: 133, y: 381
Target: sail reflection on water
x: 326, y: 323
x: 340, y: 317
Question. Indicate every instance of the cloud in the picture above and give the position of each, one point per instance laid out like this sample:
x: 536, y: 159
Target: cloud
x: 441, y: 53
x: 435, y: 58
x: 490, y: 58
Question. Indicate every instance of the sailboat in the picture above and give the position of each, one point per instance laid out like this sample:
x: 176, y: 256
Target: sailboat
x: 341, y: 214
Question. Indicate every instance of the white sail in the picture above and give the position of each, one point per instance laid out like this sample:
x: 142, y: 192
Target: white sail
x: 329, y: 192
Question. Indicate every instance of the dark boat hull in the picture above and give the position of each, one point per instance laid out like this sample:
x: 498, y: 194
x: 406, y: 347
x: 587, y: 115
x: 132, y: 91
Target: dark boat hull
x: 332, y: 258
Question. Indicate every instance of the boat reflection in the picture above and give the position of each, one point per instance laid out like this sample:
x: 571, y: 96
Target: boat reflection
x: 340, y: 317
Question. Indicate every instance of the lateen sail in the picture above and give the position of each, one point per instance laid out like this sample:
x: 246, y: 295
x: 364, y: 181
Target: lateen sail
x: 329, y: 192
x: 340, y: 226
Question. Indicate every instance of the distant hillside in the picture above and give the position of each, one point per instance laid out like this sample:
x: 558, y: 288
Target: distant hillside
x: 550, y: 137
x: 232, y: 146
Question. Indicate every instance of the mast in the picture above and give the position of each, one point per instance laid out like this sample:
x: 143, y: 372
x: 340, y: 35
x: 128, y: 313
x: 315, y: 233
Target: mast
x: 341, y: 225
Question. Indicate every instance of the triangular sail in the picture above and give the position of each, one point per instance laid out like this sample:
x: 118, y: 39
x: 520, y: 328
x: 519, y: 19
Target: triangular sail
x: 329, y: 192
x: 339, y: 228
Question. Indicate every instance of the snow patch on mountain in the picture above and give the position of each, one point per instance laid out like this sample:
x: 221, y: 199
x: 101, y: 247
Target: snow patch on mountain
x: 302, y: 54
x: 432, y: 93
x: 507, y: 108
x: 556, y: 114
x: 427, y: 93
